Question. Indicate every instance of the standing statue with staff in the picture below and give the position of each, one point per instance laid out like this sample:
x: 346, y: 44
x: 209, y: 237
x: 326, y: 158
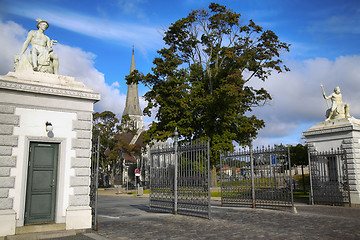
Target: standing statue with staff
x: 41, y: 58
x: 338, y: 109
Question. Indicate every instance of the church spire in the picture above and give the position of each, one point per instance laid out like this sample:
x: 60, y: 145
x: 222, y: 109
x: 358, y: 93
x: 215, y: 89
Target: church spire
x: 132, y: 67
x: 132, y: 106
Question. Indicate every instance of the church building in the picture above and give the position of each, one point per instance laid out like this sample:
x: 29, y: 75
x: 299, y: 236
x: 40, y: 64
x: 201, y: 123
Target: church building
x: 133, y: 159
x: 132, y: 106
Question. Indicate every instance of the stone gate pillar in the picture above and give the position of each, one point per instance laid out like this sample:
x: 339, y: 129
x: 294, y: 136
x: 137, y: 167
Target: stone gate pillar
x: 343, y: 133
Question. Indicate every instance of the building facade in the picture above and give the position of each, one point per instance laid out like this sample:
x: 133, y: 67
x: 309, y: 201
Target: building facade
x: 45, y: 148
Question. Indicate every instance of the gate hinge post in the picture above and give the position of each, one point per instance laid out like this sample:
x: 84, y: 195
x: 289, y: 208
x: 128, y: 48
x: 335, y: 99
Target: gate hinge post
x: 176, y: 137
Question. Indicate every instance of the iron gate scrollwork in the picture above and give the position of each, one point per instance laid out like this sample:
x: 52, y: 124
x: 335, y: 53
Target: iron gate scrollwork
x: 260, y: 177
x: 329, y: 177
x: 179, y: 179
x: 94, y: 180
x: 162, y: 168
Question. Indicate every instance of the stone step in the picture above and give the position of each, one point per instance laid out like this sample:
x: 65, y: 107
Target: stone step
x: 42, y: 235
x: 37, y: 228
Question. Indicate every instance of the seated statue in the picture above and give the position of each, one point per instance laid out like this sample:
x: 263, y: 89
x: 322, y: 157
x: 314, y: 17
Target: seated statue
x: 41, y: 58
x: 338, y: 108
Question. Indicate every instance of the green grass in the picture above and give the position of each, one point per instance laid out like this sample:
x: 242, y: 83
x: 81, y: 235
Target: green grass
x: 259, y: 183
x: 300, y: 184
x: 146, y: 191
x: 301, y: 195
x: 215, y: 193
x: 298, y: 193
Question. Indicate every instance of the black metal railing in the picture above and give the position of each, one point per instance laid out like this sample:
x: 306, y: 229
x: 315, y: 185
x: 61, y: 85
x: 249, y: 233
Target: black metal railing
x: 257, y: 177
x: 329, y: 181
x: 94, y: 177
x: 179, y: 179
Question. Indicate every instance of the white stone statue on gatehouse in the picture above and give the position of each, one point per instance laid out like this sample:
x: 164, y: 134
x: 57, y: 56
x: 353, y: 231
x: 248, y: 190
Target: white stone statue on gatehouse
x: 338, y: 109
x: 42, y: 57
x: 338, y: 132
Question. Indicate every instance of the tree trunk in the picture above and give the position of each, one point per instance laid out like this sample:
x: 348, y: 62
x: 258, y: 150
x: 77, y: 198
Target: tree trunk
x: 213, y: 176
x: 112, y: 177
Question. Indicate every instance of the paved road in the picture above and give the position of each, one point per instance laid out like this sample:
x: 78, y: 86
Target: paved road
x: 129, y: 218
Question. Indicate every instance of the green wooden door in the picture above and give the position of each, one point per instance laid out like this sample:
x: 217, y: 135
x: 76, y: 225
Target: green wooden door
x: 41, y: 183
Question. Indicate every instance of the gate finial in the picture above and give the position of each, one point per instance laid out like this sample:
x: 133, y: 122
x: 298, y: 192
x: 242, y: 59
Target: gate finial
x: 176, y: 135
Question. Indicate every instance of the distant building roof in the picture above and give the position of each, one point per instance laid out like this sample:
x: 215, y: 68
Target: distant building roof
x: 131, y: 151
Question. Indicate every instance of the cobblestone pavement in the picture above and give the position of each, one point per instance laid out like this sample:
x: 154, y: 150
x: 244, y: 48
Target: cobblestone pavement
x: 82, y: 236
x: 129, y: 218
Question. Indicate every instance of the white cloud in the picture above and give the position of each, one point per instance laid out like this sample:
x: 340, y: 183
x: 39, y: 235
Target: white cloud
x: 338, y: 24
x: 124, y: 33
x: 11, y: 39
x: 73, y: 62
x: 115, y: 84
x: 297, y: 96
x: 79, y: 64
x: 132, y: 7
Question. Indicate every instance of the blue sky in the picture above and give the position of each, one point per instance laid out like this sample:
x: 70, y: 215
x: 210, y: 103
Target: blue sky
x: 96, y: 38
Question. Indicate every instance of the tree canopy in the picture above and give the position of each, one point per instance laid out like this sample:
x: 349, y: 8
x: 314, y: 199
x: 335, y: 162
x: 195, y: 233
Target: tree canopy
x: 200, y: 80
x: 114, y: 140
x: 105, y: 126
x: 299, y: 155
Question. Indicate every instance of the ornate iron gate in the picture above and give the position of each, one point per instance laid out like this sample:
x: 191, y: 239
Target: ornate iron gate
x: 94, y: 181
x: 260, y: 177
x: 179, y: 179
x: 329, y: 178
x: 162, y: 168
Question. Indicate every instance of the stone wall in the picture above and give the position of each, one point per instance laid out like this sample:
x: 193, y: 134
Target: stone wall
x: 27, y: 102
x: 352, y: 148
x: 81, y: 163
x: 7, y: 141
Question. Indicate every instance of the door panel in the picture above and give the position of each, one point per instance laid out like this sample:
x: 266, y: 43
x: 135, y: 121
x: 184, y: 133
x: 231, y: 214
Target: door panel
x: 41, y: 184
x: 42, y: 206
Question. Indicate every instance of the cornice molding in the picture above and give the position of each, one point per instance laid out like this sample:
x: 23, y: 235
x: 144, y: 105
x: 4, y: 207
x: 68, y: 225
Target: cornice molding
x: 327, y: 131
x: 42, y: 89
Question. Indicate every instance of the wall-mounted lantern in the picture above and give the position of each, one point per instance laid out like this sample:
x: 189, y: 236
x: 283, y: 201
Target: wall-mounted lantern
x: 49, y: 127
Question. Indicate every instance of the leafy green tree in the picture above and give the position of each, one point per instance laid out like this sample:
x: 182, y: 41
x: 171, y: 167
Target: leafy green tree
x: 114, y: 141
x: 201, y: 79
x: 127, y: 125
x: 105, y: 125
x: 299, y: 157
